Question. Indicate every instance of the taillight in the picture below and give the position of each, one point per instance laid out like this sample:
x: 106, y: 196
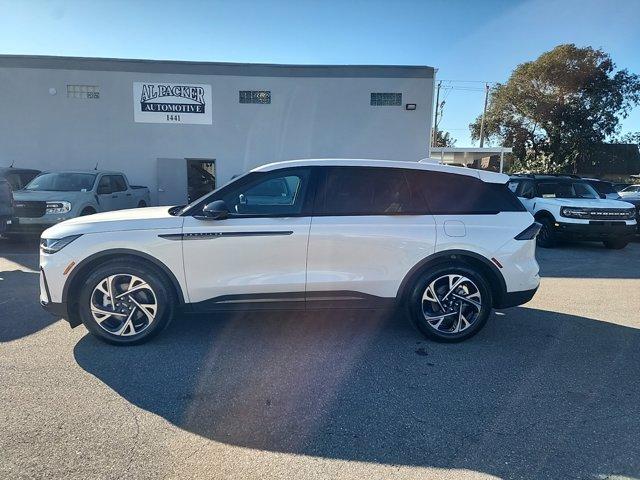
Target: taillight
x: 530, y: 232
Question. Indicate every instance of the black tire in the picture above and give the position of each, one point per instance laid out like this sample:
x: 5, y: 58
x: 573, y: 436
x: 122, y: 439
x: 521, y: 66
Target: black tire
x: 87, y: 211
x: 617, y: 244
x: 142, y: 204
x: 161, y: 289
x: 417, y: 305
x: 546, y: 237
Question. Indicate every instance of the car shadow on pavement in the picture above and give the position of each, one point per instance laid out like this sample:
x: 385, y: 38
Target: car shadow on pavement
x: 589, y: 260
x: 535, y: 394
x: 20, y: 312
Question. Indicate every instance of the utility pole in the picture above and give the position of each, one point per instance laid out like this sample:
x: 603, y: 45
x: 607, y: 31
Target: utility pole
x: 484, y: 113
x: 435, y: 121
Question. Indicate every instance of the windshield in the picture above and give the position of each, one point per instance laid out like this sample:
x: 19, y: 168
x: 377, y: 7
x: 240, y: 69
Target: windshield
x: 62, y: 182
x: 564, y: 189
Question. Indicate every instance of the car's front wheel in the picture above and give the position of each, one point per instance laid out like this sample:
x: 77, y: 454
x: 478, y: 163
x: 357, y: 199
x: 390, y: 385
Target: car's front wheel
x: 126, y: 303
x: 450, y: 303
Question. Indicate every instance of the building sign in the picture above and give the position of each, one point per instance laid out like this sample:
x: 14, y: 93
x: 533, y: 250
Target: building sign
x: 171, y: 103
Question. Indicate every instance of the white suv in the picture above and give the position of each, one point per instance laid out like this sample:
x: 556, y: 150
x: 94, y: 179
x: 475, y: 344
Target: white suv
x: 447, y: 244
x: 569, y: 208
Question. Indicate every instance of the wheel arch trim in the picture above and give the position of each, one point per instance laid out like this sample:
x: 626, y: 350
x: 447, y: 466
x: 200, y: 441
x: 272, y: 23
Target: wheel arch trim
x: 115, y: 252
x: 453, y: 255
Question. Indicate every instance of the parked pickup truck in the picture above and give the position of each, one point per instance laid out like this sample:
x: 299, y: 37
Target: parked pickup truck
x: 53, y: 197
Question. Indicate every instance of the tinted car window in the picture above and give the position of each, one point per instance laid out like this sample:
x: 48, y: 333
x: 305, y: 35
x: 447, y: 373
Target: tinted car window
x: 527, y: 189
x: 450, y: 194
x: 104, y: 185
x: 118, y: 184
x: 15, y: 181
x: 603, y: 187
x: 364, y: 191
x: 271, y: 193
x: 565, y: 189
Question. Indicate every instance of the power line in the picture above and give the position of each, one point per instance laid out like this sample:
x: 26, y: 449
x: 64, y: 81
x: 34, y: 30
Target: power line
x: 467, y: 81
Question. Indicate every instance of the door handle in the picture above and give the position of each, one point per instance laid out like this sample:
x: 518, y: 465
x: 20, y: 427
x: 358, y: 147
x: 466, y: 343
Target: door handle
x: 114, y: 196
x: 128, y: 194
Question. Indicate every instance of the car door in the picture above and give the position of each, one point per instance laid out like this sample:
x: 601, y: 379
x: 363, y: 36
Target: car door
x: 257, y: 255
x: 123, y: 198
x: 106, y: 197
x: 368, y: 230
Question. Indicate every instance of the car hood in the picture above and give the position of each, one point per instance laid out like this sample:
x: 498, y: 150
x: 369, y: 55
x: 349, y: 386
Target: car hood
x: 134, y: 219
x: 585, y: 202
x: 46, y: 196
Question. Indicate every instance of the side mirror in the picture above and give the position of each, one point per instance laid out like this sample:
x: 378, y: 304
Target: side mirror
x: 528, y: 195
x: 216, y: 210
x: 603, y: 195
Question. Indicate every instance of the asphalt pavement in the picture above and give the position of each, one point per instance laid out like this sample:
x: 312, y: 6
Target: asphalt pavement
x: 546, y: 390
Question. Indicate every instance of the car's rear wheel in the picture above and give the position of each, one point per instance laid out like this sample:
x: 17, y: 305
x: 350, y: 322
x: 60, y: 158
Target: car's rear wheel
x: 126, y: 303
x: 450, y: 303
x: 617, y: 244
x: 546, y: 237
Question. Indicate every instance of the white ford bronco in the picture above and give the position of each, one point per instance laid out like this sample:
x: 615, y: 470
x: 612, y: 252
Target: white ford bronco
x: 568, y: 208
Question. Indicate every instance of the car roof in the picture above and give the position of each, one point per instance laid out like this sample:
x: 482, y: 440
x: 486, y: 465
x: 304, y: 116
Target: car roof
x: 485, y: 176
x: 559, y: 178
x: 92, y: 172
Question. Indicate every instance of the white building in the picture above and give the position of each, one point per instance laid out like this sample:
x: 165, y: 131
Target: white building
x: 155, y: 119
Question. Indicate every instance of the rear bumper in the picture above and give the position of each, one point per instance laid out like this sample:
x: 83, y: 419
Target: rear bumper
x: 595, y: 230
x: 513, y: 299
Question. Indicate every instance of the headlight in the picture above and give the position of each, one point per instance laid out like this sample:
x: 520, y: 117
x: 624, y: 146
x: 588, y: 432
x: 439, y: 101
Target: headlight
x: 572, y: 212
x: 53, y: 245
x: 58, y: 207
x: 631, y: 213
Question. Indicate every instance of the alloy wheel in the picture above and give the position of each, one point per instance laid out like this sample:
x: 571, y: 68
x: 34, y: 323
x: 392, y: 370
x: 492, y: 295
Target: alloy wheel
x: 123, y: 304
x: 451, y: 303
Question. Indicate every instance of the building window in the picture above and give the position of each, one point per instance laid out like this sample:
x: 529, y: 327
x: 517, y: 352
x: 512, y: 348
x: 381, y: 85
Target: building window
x: 386, y: 99
x: 255, y: 96
x: 83, y: 91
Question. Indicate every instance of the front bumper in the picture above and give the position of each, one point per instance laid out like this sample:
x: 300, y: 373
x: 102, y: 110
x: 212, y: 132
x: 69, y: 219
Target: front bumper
x: 595, y: 230
x: 38, y: 224
x: 58, y: 309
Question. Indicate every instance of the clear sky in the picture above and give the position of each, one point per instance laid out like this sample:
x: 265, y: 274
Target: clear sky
x: 468, y: 41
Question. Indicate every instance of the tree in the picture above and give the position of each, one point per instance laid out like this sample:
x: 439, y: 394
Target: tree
x: 629, y: 138
x: 443, y: 139
x: 554, y: 109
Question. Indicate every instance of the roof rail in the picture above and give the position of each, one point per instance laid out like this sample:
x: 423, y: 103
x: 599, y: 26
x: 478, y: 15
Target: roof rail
x: 536, y: 175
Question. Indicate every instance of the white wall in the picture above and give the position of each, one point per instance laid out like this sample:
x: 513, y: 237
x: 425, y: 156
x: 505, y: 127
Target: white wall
x: 308, y: 117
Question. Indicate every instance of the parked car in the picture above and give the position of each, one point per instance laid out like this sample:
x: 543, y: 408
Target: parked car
x: 631, y: 190
x: 635, y: 201
x: 6, y: 204
x: 603, y: 188
x: 18, y: 177
x: 446, y: 243
x: 568, y: 208
x: 620, y: 186
x: 53, y: 197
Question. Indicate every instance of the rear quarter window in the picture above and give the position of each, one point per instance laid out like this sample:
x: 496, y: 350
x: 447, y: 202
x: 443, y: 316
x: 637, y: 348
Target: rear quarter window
x: 451, y: 194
